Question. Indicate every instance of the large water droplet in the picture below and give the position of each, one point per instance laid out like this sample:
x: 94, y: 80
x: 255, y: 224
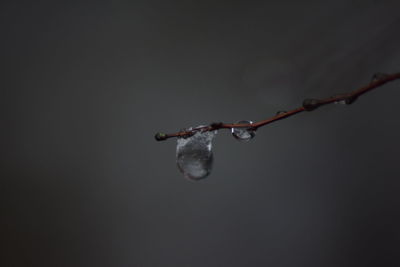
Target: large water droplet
x: 243, y: 134
x: 194, y: 155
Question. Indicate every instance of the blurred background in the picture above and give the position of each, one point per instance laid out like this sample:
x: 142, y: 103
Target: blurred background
x: 86, y: 85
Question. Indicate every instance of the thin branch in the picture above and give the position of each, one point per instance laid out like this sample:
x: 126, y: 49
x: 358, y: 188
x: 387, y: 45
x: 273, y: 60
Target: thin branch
x: 378, y: 80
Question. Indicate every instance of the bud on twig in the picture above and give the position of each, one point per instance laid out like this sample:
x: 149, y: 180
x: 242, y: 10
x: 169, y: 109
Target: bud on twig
x: 310, y: 104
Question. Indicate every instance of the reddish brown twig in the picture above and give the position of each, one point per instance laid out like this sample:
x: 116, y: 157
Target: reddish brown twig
x: 308, y: 105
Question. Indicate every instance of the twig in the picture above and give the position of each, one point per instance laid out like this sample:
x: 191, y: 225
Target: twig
x: 378, y: 80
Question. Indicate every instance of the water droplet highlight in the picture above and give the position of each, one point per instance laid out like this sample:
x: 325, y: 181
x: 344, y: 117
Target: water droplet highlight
x: 194, y: 155
x: 243, y: 134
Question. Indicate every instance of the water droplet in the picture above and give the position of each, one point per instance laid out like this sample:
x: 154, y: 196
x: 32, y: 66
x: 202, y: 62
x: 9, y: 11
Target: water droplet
x: 194, y: 155
x: 280, y: 112
x: 341, y: 102
x: 346, y: 101
x: 243, y: 134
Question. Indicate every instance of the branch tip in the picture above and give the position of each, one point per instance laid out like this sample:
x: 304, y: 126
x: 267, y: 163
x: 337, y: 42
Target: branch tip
x: 160, y: 136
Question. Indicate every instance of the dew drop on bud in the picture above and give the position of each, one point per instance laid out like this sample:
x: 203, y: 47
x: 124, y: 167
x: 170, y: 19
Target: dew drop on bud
x: 194, y: 155
x: 243, y: 134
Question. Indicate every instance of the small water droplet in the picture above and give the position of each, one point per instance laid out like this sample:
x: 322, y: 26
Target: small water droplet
x: 348, y: 100
x: 194, y: 155
x: 280, y: 112
x: 243, y: 134
x: 341, y: 102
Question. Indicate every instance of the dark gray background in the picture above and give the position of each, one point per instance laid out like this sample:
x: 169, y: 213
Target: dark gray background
x: 85, y: 86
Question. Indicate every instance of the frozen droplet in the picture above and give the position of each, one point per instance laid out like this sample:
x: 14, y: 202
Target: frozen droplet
x: 243, y: 134
x: 194, y: 155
